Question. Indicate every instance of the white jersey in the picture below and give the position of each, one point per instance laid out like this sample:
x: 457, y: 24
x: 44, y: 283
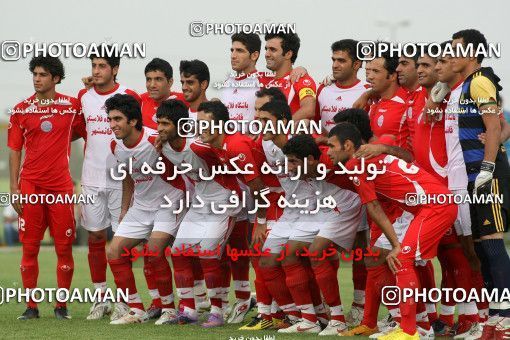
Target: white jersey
x: 303, y: 190
x: 192, y: 114
x: 456, y: 168
x: 202, y: 157
x: 238, y: 95
x: 334, y: 98
x: 150, y: 188
x: 98, y: 159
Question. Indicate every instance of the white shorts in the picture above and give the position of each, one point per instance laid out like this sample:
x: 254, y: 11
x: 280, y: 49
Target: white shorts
x: 400, y: 225
x: 140, y: 223
x: 462, y: 223
x: 203, y: 231
x: 339, y: 226
x: 104, y: 211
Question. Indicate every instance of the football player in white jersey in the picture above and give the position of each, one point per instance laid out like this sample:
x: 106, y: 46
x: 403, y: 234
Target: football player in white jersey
x: 334, y: 227
x: 144, y: 214
x: 105, y: 210
x: 345, y: 87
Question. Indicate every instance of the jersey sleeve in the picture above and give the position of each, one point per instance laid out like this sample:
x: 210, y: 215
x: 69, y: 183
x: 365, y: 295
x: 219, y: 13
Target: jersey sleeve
x: 134, y: 95
x: 244, y: 151
x: 483, y: 91
x: 15, y: 139
x: 305, y: 87
x: 78, y: 126
x: 364, y: 187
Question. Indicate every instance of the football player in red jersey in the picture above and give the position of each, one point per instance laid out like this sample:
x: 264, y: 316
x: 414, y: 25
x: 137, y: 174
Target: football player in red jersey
x: 430, y: 221
x: 281, y: 53
x: 158, y: 81
x: 40, y: 125
x: 430, y: 152
x: 387, y: 115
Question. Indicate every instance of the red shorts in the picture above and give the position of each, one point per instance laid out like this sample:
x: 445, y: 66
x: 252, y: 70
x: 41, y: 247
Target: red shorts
x: 34, y: 220
x: 425, y: 231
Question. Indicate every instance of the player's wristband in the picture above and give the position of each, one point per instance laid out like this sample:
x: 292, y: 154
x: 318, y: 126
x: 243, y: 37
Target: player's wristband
x: 261, y: 220
x: 487, y: 166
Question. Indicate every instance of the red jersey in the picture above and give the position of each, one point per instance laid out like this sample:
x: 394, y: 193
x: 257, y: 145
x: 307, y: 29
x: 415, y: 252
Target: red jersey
x: 396, y: 184
x: 295, y: 93
x: 150, y: 106
x: 388, y: 117
x: 415, y: 102
x: 45, y: 133
x: 429, y: 146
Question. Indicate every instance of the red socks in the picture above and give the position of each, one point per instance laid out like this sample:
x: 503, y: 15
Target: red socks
x: 65, y: 267
x: 97, y: 262
x: 327, y: 280
x: 298, y: 282
x: 125, y: 280
x: 163, y: 280
x: 30, y: 268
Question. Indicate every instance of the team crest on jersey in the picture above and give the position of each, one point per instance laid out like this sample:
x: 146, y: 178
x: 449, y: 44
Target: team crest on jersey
x: 69, y: 232
x: 355, y: 180
x: 406, y: 250
x: 46, y: 126
x: 307, y: 82
x: 242, y: 157
x: 339, y: 98
x: 380, y: 120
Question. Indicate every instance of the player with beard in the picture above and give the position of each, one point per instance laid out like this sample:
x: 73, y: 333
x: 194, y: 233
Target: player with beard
x: 336, y: 97
x: 195, y: 80
x: 429, y: 222
x: 281, y: 53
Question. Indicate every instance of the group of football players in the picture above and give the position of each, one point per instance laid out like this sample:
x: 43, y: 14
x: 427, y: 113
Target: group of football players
x: 420, y: 126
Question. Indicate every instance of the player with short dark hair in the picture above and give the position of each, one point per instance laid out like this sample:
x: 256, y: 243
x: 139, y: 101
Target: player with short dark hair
x: 158, y: 81
x: 487, y: 170
x: 430, y: 221
x: 195, y: 80
x: 95, y: 180
x: 143, y: 215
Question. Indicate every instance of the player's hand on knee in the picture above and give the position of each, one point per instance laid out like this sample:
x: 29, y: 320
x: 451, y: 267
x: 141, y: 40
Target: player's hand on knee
x: 393, y: 261
x: 259, y: 235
